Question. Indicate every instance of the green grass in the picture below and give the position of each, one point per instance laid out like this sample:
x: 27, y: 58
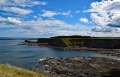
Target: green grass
x: 12, y: 71
x: 80, y: 41
x: 73, y: 41
x: 66, y: 41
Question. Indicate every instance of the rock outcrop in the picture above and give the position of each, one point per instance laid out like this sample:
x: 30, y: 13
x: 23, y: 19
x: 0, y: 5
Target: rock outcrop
x: 78, y: 66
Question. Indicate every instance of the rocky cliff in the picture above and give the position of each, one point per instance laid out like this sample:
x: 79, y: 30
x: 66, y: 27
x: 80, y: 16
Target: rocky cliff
x: 52, y: 42
x: 102, y: 43
x: 82, y: 42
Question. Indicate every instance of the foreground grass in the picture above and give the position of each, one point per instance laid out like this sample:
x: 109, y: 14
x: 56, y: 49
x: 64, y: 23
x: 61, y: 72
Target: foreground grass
x: 12, y: 71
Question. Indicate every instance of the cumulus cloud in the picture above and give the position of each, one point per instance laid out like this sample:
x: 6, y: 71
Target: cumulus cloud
x: 2, y: 1
x: 49, y: 13
x: 39, y: 3
x: 53, y: 27
x: 13, y: 20
x: 49, y: 24
x: 117, y: 30
x: 2, y: 19
x: 41, y: 27
x: 19, y: 6
x: 21, y: 3
x: 10, y: 20
x: 106, y: 12
x: 101, y: 29
x: 17, y: 10
x: 85, y: 20
x: 53, y: 13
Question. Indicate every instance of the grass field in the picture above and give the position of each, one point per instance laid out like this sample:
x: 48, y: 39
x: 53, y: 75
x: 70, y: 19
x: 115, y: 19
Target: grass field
x: 12, y: 71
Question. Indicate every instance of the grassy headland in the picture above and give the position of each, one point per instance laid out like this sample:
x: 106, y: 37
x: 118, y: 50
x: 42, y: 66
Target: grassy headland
x: 105, y: 43
x: 12, y: 71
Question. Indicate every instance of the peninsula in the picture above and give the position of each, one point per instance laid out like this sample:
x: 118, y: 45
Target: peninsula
x: 103, y: 45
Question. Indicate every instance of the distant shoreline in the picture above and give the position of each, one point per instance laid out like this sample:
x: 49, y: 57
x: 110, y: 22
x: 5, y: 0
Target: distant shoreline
x: 112, y: 52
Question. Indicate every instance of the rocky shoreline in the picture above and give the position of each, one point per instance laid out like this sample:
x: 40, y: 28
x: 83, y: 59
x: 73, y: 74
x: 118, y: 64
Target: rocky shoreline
x: 78, y: 66
x: 111, y: 52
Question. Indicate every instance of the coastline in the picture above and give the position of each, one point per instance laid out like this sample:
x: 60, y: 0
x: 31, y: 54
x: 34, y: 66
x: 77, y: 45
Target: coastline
x: 78, y: 66
x: 112, y: 52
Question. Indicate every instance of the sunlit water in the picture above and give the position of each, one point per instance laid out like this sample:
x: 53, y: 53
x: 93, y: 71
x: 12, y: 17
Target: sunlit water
x: 28, y: 56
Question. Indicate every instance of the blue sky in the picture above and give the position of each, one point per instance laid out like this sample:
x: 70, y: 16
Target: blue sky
x: 46, y: 18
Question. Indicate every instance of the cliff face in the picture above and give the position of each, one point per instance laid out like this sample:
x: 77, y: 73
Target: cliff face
x: 90, y: 43
x: 52, y: 42
x: 102, y: 43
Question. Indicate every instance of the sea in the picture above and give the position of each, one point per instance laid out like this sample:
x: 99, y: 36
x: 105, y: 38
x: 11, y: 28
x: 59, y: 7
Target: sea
x: 11, y: 52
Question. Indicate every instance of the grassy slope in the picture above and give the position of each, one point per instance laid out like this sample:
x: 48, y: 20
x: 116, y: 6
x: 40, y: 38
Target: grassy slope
x: 80, y: 41
x: 73, y: 41
x: 12, y: 71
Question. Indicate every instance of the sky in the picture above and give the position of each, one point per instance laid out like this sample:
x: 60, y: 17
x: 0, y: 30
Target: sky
x: 47, y: 18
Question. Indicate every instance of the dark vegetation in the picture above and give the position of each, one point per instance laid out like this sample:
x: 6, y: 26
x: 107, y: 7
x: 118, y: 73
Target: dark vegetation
x: 79, y: 36
x: 74, y: 36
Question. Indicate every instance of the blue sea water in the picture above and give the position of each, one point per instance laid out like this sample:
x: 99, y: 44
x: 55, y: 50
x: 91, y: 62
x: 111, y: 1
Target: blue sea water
x: 28, y: 56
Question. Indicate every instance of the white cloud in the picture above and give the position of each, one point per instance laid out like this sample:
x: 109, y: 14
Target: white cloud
x: 2, y: 19
x: 85, y: 20
x: 106, y: 12
x: 53, y: 13
x: 48, y: 23
x: 105, y: 31
x: 2, y: 1
x: 21, y: 3
x: 40, y: 27
x: 101, y: 29
x: 49, y: 13
x: 17, y: 10
x: 53, y: 27
x: 10, y: 20
x: 21, y: 7
x: 8, y: 14
x: 39, y: 3
x: 77, y: 11
x: 66, y: 13
x: 35, y: 16
x: 117, y: 30
x: 13, y: 20
x: 98, y: 19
